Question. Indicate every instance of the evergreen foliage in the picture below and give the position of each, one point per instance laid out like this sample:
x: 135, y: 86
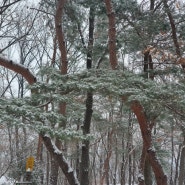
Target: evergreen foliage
x: 115, y: 136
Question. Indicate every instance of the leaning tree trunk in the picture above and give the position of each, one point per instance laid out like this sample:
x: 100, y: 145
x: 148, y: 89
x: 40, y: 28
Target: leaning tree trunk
x: 57, y: 154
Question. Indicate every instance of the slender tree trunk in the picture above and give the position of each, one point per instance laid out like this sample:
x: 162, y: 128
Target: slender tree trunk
x: 134, y: 167
x: 78, y: 157
x: 145, y: 167
x: 116, y: 161
x: 172, y: 156
x: 94, y: 166
x: 106, y: 161
x: 182, y: 163
x: 123, y: 161
x: 173, y: 28
x: 39, y: 157
x: 129, y: 146
x: 47, y: 167
x: 84, y: 169
x: 180, y: 59
x: 177, y: 166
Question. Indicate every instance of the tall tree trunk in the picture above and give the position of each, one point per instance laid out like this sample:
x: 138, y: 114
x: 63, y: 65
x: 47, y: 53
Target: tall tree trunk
x: 135, y: 105
x: 63, y: 68
x: 111, y: 34
x: 84, y: 169
x: 145, y: 167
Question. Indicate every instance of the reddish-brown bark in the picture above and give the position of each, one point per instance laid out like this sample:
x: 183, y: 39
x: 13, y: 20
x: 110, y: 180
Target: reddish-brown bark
x: 18, y: 68
x: 161, y: 178
x: 111, y: 34
x: 60, y: 36
x: 107, y: 159
x: 63, y: 68
x: 62, y: 46
x: 58, y: 156
x: 136, y: 107
x: 173, y: 28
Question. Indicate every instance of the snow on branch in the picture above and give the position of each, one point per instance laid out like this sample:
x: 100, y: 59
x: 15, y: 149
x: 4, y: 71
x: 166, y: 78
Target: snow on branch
x: 59, y: 157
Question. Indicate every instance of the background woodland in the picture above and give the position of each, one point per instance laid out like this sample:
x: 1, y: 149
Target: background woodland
x: 93, y: 90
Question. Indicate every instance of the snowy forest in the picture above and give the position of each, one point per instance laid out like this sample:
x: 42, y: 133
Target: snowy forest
x: 92, y: 92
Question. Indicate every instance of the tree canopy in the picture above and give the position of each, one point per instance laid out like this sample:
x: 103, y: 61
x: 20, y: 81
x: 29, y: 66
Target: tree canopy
x: 93, y: 90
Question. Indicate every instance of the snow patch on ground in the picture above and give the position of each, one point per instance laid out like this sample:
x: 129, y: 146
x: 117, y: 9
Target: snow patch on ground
x: 5, y: 181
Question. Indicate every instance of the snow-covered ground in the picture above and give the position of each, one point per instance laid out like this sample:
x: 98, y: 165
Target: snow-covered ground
x: 5, y: 181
